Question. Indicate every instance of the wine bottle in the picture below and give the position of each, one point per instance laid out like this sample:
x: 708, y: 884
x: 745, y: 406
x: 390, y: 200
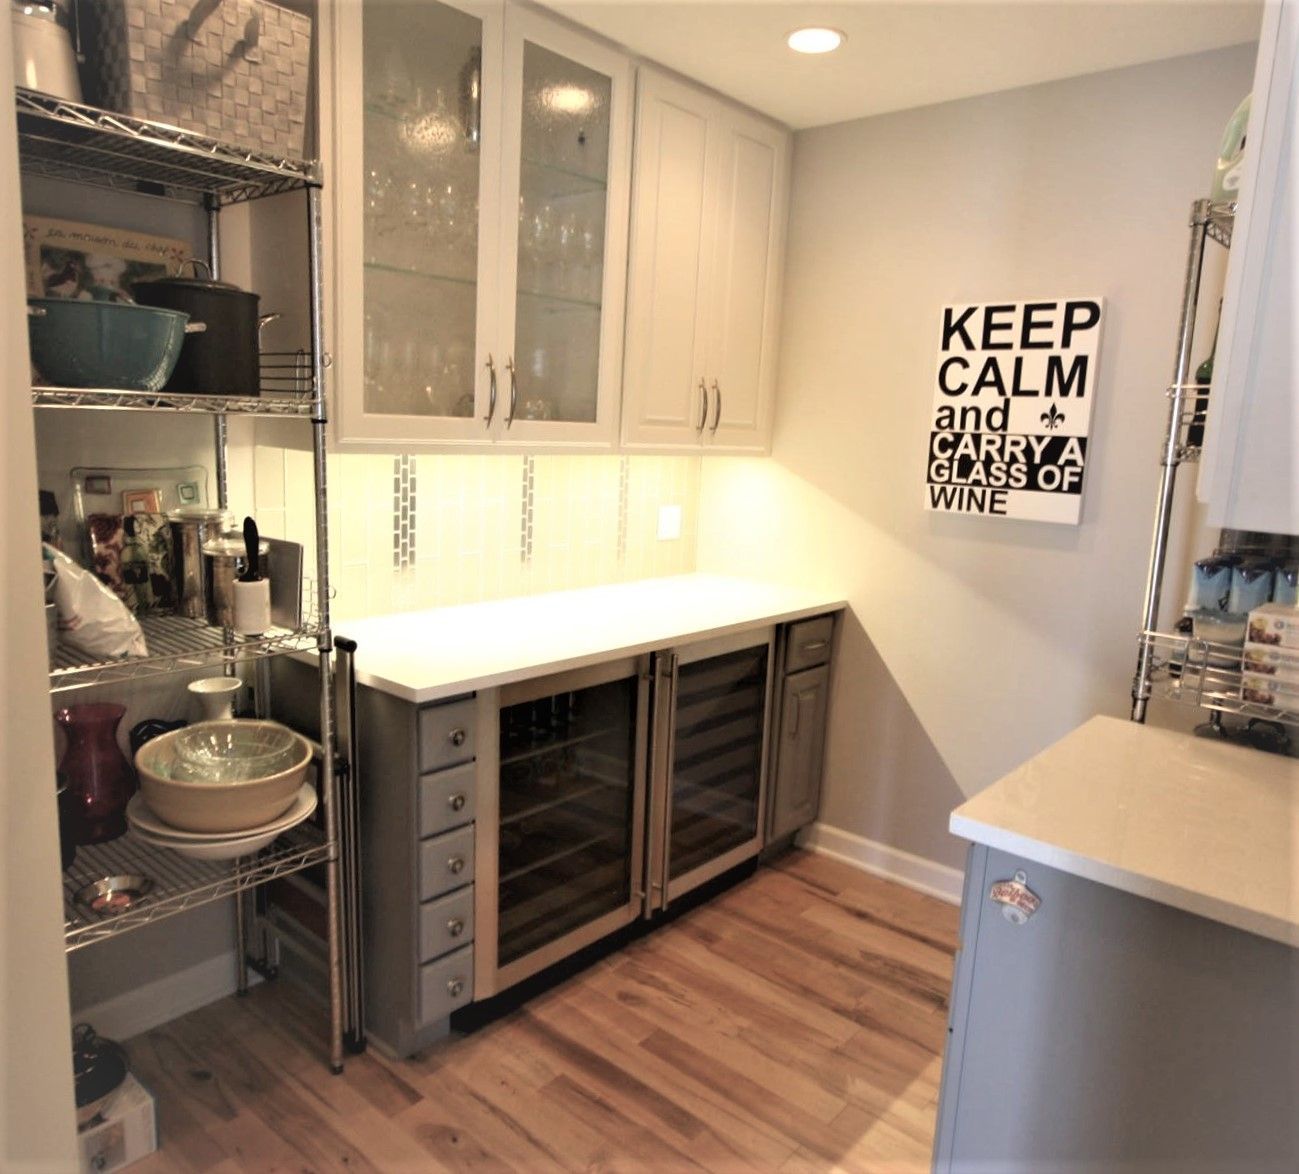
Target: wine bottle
x: 1203, y: 377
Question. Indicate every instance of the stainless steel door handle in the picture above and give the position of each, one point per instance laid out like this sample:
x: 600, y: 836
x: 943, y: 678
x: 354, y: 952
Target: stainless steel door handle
x: 491, y: 391
x: 703, y: 407
x: 514, y: 390
x: 717, y: 411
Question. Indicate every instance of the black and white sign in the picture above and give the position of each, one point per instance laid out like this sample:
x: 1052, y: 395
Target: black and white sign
x: 1013, y: 400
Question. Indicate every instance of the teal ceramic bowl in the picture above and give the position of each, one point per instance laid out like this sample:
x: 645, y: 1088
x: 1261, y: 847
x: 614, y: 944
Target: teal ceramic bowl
x: 104, y: 344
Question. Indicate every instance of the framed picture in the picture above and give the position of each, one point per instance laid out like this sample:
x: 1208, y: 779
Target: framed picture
x: 66, y: 259
x: 142, y: 501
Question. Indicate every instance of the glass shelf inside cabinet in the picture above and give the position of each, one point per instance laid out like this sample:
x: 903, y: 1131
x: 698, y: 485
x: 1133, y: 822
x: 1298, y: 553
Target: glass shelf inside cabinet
x: 177, y: 643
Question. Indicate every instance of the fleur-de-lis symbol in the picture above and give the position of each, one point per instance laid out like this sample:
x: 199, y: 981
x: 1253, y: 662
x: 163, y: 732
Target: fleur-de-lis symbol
x: 1053, y: 419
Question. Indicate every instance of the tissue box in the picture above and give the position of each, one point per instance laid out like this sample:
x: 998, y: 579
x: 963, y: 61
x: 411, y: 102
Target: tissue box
x: 1275, y: 624
x: 128, y: 1132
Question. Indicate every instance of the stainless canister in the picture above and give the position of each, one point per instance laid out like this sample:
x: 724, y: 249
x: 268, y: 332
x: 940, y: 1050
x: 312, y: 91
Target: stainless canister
x: 191, y: 527
x: 224, y: 560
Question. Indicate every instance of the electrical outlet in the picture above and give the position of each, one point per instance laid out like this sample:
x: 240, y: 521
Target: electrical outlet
x: 669, y: 522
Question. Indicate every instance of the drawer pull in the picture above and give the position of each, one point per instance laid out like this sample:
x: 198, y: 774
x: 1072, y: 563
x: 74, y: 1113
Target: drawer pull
x: 455, y: 927
x: 456, y: 865
x: 457, y: 736
x: 456, y: 987
x: 813, y: 646
x: 456, y: 802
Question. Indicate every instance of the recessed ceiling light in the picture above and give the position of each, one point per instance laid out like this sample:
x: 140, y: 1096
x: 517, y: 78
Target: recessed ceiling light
x: 815, y: 40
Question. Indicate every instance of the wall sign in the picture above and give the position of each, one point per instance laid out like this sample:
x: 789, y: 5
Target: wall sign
x: 1013, y: 400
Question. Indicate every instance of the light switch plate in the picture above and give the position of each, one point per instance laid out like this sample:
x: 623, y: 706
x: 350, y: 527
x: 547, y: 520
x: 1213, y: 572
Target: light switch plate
x: 669, y: 522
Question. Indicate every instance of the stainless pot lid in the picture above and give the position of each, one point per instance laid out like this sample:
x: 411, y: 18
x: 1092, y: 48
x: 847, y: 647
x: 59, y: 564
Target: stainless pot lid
x: 203, y: 284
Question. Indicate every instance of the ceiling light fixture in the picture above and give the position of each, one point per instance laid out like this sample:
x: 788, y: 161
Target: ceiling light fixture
x: 815, y: 40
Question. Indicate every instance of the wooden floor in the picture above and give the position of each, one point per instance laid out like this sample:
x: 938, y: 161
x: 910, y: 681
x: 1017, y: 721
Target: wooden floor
x: 794, y: 1023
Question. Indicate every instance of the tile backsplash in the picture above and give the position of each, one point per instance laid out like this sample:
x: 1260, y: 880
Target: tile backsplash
x: 410, y: 532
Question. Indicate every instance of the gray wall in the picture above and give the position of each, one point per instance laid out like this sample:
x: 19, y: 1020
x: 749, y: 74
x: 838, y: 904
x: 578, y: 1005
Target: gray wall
x: 972, y: 643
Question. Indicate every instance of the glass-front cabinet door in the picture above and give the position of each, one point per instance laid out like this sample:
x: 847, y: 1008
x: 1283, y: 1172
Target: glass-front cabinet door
x: 567, y: 815
x: 479, y: 173
x: 417, y: 178
x: 567, y: 129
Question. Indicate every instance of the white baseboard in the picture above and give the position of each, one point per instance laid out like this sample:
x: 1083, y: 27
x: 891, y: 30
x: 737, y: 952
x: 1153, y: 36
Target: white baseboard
x: 154, y: 1003
x: 926, y: 876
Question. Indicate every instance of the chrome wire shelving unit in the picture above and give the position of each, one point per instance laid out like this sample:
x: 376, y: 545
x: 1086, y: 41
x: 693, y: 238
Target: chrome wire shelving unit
x: 179, y: 883
x: 1178, y: 666
x: 80, y: 144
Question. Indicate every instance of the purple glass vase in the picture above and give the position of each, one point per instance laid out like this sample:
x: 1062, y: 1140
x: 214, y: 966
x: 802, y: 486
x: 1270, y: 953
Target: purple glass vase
x: 99, y: 777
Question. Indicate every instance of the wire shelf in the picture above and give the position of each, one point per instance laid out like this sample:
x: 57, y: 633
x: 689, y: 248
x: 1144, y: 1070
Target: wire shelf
x: 67, y: 140
x: 1203, y: 673
x: 1192, y: 414
x: 177, y: 643
x: 179, y: 883
x: 1220, y: 219
x: 163, y: 401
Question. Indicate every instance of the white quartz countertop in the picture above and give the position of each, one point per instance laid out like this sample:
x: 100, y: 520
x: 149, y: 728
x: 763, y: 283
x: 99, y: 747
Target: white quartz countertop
x: 1193, y: 823
x: 428, y: 655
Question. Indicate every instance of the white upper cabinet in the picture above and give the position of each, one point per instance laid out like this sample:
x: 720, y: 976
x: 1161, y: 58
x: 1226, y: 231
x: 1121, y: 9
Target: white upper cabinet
x: 478, y: 170
x: 1249, y: 474
x: 709, y: 205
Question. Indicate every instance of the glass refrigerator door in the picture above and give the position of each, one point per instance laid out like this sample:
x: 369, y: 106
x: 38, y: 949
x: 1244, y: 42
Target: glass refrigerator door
x: 569, y: 819
x: 423, y: 153
x: 715, y: 788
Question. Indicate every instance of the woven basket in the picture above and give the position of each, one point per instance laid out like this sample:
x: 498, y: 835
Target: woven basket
x: 241, y: 77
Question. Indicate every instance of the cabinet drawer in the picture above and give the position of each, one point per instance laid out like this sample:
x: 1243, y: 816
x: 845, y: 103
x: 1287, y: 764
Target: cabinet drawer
x: 446, y: 799
x: 446, y: 984
x: 446, y: 924
x: 446, y: 862
x: 446, y: 734
x: 808, y: 643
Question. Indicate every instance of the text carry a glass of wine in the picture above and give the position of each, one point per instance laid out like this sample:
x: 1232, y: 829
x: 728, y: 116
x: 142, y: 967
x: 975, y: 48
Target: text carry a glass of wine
x: 1013, y: 403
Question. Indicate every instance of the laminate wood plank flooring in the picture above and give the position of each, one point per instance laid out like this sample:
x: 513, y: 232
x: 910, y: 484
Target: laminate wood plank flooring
x: 794, y: 1023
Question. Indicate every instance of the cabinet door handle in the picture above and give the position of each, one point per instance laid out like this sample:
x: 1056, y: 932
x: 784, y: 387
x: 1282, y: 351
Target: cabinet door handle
x: 456, y: 987
x: 717, y: 413
x: 457, y: 736
x: 793, y: 717
x: 514, y: 390
x: 456, y: 865
x: 455, y: 927
x: 456, y: 802
x: 703, y: 407
x: 491, y: 391
x: 813, y: 646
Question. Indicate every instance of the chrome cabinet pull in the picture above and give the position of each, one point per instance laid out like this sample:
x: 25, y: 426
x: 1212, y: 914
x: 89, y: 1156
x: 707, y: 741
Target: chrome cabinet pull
x: 514, y: 390
x: 455, y: 927
x: 457, y: 736
x: 703, y: 407
x: 491, y: 391
x: 717, y: 414
x: 456, y: 865
x: 456, y: 987
x: 813, y: 646
x: 456, y: 802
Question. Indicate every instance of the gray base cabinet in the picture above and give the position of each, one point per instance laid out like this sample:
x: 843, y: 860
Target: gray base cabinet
x: 798, y: 743
x: 419, y: 802
x: 1112, y: 1033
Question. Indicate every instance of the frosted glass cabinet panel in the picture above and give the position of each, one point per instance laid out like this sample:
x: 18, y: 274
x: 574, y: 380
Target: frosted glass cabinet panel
x: 479, y: 175
x: 568, y: 122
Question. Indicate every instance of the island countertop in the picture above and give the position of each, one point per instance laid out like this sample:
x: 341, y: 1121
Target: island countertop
x: 1200, y: 825
x: 428, y: 655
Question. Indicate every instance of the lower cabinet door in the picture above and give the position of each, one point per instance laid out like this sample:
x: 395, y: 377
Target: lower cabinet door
x: 800, y: 750
x: 446, y: 984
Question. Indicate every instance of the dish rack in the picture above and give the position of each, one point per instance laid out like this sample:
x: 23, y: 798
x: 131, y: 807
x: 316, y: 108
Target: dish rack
x: 78, y: 143
x: 1177, y: 665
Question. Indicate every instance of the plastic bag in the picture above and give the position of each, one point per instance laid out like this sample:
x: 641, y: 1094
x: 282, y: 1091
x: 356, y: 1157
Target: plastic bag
x: 91, y: 618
